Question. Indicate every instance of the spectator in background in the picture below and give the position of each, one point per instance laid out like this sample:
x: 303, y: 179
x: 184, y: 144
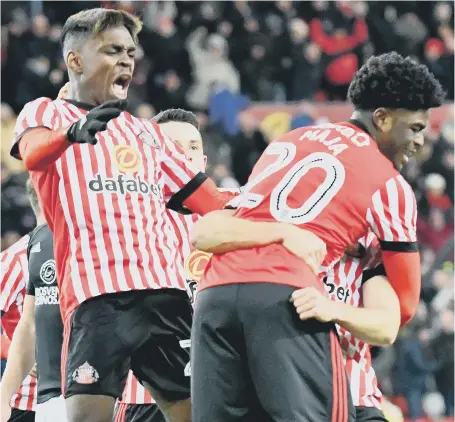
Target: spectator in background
x: 444, y: 351
x: 7, y: 130
x: 411, y: 366
x: 339, y: 35
x: 307, y: 62
x: 211, y: 68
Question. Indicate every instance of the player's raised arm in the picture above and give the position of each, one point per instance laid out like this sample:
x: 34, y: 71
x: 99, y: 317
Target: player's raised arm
x: 393, y: 217
x: 185, y: 187
x: 40, y: 139
x: 220, y: 232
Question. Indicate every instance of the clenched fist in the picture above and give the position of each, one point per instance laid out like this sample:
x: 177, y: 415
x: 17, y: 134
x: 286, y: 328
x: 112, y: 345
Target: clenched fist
x: 311, y: 303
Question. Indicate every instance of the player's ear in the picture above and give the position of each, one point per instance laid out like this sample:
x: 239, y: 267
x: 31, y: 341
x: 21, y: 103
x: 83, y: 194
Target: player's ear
x: 74, y: 62
x: 382, y: 120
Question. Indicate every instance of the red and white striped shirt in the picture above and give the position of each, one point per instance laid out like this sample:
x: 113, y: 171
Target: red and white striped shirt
x: 344, y: 283
x: 135, y: 393
x: 13, y: 287
x: 106, y: 204
x: 321, y: 179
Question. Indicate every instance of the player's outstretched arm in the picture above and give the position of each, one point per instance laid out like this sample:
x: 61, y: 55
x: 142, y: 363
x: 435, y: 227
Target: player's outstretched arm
x: 220, y: 232
x: 21, y: 356
x: 40, y: 146
x: 376, y: 323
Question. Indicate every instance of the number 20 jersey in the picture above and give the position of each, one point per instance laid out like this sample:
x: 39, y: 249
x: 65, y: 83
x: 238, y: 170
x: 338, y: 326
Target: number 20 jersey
x: 331, y: 180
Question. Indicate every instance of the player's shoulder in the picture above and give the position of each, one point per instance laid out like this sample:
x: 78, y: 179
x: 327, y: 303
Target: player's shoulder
x: 40, y: 233
x: 17, y: 247
x: 37, y: 104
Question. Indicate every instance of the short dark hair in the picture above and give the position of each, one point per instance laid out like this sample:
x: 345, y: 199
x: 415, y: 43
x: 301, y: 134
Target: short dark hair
x: 392, y: 81
x: 92, y: 22
x: 177, y: 115
x: 32, y: 197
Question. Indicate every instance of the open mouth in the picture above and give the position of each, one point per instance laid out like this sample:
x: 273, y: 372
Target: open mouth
x: 120, y: 86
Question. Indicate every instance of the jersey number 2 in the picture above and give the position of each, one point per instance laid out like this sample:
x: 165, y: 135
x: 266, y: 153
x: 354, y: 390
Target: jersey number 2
x: 313, y: 206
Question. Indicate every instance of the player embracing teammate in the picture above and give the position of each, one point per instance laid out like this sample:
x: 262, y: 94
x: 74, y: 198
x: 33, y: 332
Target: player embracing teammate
x: 337, y: 181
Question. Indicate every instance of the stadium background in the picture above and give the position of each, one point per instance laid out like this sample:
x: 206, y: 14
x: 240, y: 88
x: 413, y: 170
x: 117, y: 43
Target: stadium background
x: 252, y: 71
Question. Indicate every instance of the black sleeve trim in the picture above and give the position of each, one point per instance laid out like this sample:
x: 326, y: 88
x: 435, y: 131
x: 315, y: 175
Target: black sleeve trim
x: 399, y: 246
x: 15, y: 148
x: 373, y: 272
x: 177, y: 200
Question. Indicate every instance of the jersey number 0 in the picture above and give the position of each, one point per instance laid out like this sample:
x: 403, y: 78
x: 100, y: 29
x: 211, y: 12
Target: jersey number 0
x: 320, y: 198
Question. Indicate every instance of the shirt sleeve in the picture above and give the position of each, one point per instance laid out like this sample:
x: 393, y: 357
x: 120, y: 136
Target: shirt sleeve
x: 180, y: 176
x: 393, y: 215
x: 12, y: 282
x: 40, y: 113
x: 184, y: 186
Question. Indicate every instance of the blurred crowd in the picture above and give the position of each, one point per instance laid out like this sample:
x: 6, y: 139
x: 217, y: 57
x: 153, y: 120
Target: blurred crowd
x: 217, y: 58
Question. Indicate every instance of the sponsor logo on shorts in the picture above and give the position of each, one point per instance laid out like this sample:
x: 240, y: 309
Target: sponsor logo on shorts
x: 47, y: 295
x: 86, y: 374
x: 195, y: 264
x: 47, y: 272
x: 127, y: 158
x: 123, y: 186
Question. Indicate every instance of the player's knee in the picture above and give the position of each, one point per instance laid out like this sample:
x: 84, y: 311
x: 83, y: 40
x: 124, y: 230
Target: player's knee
x: 85, y: 408
x: 175, y: 411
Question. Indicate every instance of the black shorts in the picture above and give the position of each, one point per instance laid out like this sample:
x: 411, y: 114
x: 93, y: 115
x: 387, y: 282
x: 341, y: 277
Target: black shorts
x: 18, y: 415
x: 369, y: 414
x: 250, y: 351
x: 147, y: 331
x: 138, y: 413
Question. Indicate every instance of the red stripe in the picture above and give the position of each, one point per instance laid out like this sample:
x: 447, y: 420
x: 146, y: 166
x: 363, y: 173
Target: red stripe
x: 334, y: 383
x: 340, y: 401
x: 40, y: 112
x: 121, y: 412
x: 65, y: 347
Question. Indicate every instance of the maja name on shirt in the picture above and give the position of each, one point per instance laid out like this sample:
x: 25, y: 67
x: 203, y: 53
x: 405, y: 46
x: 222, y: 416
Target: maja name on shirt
x: 326, y: 134
x: 47, y: 295
x: 123, y: 186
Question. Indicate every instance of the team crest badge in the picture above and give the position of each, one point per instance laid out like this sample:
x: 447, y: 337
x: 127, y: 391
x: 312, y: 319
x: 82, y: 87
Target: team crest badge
x: 86, y: 374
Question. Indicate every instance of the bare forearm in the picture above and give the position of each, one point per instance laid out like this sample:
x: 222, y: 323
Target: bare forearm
x: 374, y: 326
x: 220, y: 232
x: 21, y: 359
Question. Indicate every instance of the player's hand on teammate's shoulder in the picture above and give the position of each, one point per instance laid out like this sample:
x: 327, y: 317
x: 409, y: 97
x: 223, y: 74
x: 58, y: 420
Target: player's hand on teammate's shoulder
x: 305, y: 245
x: 311, y: 303
x: 96, y: 120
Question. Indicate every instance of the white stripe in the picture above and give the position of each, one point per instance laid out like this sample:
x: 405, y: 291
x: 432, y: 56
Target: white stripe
x: 11, y: 287
x: 155, y: 206
x: 378, y: 208
x: 74, y: 268
x: 134, y: 200
x: 393, y: 202
x: 95, y: 214
x: 409, y: 207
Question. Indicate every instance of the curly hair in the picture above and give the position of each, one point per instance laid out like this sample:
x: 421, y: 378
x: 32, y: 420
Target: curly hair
x: 392, y: 81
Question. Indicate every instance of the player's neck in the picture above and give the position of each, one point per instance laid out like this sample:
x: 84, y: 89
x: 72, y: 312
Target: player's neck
x: 40, y: 220
x: 366, y: 118
x: 80, y: 95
